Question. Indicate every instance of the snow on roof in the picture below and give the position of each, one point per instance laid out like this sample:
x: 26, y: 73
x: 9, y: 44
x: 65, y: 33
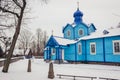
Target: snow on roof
x: 63, y: 41
x: 100, y: 34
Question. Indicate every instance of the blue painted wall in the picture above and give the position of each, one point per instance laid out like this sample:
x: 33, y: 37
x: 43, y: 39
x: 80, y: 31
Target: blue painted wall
x: 47, y: 53
x: 80, y: 56
x: 70, y: 53
x: 82, y: 27
x: 99, y: 50
x: 91, y: 28
x: 104, y: 51
x: 68, y: 27
x: 110, y: 56
x: 53, y: 56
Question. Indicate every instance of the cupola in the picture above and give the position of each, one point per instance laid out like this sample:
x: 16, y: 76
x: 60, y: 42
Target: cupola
x: 78, y: 16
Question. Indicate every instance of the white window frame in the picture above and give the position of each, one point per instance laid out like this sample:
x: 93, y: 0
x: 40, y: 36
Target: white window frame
x: 69, y: 34
x: 82, y: 31
x: 92, y: 43
x: 116, y: 53
x: 80, y: 48
x: 53, y: 53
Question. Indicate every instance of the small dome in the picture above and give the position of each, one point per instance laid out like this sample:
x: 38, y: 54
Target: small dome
x: 78, y: 13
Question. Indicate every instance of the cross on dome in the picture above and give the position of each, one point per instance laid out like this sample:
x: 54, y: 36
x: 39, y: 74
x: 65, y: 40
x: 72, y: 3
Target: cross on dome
x: 78, y: 5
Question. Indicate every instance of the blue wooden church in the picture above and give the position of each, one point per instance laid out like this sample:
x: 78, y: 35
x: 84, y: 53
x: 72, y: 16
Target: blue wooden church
x: 84, y: 43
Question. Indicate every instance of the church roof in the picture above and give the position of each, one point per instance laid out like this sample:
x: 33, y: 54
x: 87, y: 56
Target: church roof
x: 63, y: 41
x: 101, y: 34
x: 78, y: 13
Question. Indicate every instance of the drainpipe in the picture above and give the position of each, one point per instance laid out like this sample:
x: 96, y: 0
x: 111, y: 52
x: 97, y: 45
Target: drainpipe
x: 59, y: 55
x: 104, y: 49
x: 56, y: 55
x: 73, y: 33
x: 85, y: 52
x: 75, y: 52
x: 47, y: 54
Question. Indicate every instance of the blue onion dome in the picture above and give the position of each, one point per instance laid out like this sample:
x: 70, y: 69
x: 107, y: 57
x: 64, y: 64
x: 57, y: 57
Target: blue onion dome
x: 78, y: 16
x: 78, y: 13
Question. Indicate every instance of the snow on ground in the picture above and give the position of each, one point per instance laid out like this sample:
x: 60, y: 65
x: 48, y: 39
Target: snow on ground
x: 18, y: 71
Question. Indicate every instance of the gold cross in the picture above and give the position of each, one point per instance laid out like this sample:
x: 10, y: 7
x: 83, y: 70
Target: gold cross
x: 52, y: 32
x: 78, y: 4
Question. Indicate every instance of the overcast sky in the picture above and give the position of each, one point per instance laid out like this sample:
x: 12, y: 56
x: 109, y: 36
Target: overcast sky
x: 57, y: 13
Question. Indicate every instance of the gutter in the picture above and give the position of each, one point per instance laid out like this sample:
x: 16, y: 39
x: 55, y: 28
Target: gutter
x: 104, y: 50
x: 85, y: 52
x: 75, y: 52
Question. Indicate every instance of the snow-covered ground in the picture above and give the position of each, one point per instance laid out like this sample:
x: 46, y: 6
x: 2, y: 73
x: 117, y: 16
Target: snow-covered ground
x: 18, y: 71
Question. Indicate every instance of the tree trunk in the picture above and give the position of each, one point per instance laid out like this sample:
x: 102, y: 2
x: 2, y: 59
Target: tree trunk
x: 15, y: 37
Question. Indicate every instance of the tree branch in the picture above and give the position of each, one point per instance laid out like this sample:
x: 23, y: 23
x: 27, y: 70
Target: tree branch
x: 16, y: 2
x: 6, y: 25
x: 4, y: 10
x: 24, y: 4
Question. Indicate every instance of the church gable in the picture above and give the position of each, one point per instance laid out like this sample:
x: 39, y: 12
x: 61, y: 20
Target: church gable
x: 91, y: 28
x: 80, y: 30
x: 68, y: 31
x: 52, y: 42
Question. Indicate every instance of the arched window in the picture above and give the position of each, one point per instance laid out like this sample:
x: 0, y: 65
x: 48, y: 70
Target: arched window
x: 80, y: 32
x: 68, y: 33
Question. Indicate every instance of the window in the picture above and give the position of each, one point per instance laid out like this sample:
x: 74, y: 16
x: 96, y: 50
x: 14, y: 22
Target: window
x: 53, y: 51
x: 116, y: 47
x: 80, y: 32
x: 93, y: 48
x: 68, y: 32
x: 79, y: 48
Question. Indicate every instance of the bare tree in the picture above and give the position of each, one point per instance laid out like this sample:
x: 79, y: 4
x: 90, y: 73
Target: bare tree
x: 39, y: 34
x: 11, y: 14
x: 14, y: 8
x: 7, y: 42
x: 41, y: 40
x: 34, y: 47
x: 24, y: 39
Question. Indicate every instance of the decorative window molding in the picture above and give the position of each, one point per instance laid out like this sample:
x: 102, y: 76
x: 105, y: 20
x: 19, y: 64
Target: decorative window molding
x: 79, y: 48
x: 116, y: 47
x: 93, y: 48
x: 53, y: 51
x: 80, y: 32
x: 68, y: 33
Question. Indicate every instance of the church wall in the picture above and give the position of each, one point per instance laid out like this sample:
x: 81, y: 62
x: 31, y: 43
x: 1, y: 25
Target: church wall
x: 77, y: 28
x: 70, y: 53
x: 91, y: 29
x: 110, y: 56
x: 69, y: 27
x: 98, y: 56
x: 47, y: 55
x: 81, y: 56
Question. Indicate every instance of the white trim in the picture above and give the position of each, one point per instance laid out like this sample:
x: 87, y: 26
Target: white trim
x: 82, y: 31
x: 62, y: 54
x: 116, y: 53
x: 80, y: 48
x: 93, y: 43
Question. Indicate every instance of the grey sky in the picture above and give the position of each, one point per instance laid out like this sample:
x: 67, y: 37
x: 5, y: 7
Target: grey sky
x: 57, y: 13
